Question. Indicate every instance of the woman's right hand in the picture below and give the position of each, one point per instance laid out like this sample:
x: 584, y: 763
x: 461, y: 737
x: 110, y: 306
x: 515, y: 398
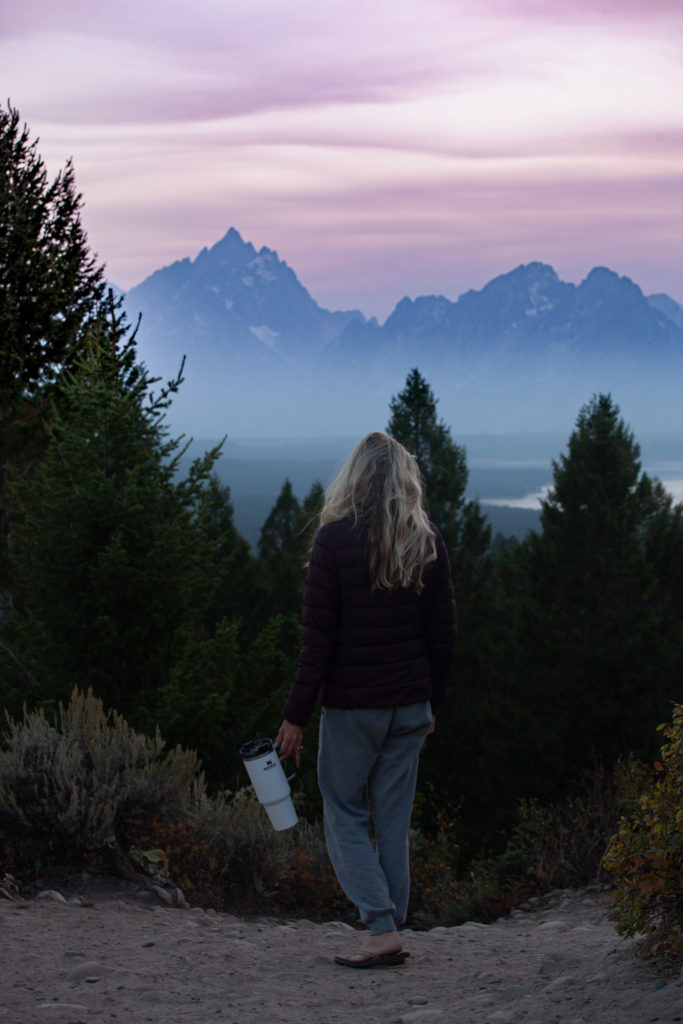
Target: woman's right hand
x: 290, y: 739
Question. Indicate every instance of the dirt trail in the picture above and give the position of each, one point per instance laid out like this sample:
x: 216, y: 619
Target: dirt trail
x: 108, y: 957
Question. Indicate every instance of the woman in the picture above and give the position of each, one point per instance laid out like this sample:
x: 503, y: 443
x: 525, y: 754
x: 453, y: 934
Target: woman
x: 378, y: 631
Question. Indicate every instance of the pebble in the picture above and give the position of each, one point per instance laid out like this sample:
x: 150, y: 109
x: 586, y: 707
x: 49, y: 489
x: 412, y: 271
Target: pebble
x: 63, y: 1007
x: 419, y: 1015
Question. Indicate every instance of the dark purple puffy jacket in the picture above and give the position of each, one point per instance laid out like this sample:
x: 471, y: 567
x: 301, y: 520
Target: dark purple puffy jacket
x: 365, y: 649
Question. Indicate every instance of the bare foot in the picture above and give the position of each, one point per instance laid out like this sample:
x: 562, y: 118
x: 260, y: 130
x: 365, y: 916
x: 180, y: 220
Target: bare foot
x: 378, y: 945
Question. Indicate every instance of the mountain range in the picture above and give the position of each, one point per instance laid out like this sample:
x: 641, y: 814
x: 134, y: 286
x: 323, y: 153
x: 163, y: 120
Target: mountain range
x: 524, y: 353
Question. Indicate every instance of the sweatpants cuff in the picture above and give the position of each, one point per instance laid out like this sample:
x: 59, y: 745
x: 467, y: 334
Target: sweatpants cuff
x: 383, y: 923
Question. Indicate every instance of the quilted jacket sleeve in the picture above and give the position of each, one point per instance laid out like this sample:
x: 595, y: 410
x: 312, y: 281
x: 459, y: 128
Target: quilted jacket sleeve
x: 319, y: 622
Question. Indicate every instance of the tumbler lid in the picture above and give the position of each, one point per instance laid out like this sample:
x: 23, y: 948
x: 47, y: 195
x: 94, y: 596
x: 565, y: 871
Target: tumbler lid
x: 255, y: 748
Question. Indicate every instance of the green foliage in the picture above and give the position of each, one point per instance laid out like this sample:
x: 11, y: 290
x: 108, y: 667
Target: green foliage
x: 119, y: 568
x: 284, y: 544
x: 599, y: 610
x: 51, y: 290
x: 474, y: 714
x: 50, y: 284
x: 279, y: 552
x: 443, y: 464
x: 645, y: 858
x: 226, y: 690
x: 67, y: 784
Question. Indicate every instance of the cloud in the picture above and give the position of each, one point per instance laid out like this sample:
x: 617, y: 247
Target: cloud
x: 388, y: 147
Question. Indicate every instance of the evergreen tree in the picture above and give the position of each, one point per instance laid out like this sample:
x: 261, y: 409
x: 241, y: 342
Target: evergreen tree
x: 308, y: 521
x: 111, y: 564
x: 51, y: 288
x: 50, y: 283
x: 603, y: 626
x: 282, y: 556
x: 229, y: 560
x: 442, y: 463
x: 467, y: 718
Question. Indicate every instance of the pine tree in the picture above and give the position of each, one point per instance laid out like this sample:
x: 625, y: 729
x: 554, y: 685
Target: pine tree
x: 443, y: 463
x: 51, y: 289
x: 464, y: 720
x: 111, y: 563
x: 283, y: 544
x: 50, y: 284
x: 605, y: 587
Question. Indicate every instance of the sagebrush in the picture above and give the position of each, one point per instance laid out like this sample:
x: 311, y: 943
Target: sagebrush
x: 67, y: 783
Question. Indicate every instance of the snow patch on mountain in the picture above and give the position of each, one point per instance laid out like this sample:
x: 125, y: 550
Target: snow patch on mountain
x: 539, y: 303
x: 265, y: 334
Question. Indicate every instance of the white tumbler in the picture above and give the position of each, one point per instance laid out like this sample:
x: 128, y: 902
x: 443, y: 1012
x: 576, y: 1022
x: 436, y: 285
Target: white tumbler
x: 270, y: 783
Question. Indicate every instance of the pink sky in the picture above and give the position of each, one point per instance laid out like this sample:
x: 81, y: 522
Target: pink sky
x: 383, y: 148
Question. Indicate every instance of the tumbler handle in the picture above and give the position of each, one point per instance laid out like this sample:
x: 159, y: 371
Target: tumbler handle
x: 295, y: 773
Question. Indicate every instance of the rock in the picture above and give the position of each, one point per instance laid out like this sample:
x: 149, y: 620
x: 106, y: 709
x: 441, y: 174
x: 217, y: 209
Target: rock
x: 144, y: 895
x: 338, y: 930
x: 511, y: 992
x: 555, y: 960
x: 559, y: 983
x: 91, y: 970
x: 52, y: 895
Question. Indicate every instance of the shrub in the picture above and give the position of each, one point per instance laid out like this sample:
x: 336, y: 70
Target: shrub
x: 564, y: 844
x: 248, y: 857
x: 308, y: 886
x: 435, y: 893
x: 65, y: 787
x: 645, y: 858
x: 560, y: 846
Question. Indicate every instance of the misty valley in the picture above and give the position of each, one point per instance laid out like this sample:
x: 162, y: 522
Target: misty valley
x: 507, y: 473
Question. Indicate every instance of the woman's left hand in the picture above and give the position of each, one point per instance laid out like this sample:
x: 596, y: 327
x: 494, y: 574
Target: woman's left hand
x: 290, y: 738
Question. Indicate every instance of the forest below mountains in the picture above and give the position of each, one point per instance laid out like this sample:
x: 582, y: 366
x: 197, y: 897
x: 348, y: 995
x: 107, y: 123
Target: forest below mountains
x: 123, y: 575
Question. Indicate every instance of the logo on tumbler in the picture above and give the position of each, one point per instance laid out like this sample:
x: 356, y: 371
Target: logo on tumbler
x: 269, y: 764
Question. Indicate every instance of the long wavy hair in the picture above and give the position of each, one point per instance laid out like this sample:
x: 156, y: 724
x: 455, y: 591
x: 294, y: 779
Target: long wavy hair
x: 380, y: 485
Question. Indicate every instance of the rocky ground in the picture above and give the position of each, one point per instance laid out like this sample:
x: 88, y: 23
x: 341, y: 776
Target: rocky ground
x: 90, y: 955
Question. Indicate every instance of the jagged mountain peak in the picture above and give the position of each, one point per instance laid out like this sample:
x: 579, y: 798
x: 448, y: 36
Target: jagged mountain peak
x: 527, y: 348
x: 663, y: 303
x: 523, y: 277
x: 604, y: 279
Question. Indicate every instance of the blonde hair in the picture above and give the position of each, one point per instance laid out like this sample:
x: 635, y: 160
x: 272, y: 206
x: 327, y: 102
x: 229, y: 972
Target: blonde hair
x: 380, y: 483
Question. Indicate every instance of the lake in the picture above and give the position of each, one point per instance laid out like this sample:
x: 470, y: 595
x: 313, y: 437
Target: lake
x: 508, y: 474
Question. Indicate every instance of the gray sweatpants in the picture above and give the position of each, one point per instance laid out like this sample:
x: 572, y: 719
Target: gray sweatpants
x: 367, y: 765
